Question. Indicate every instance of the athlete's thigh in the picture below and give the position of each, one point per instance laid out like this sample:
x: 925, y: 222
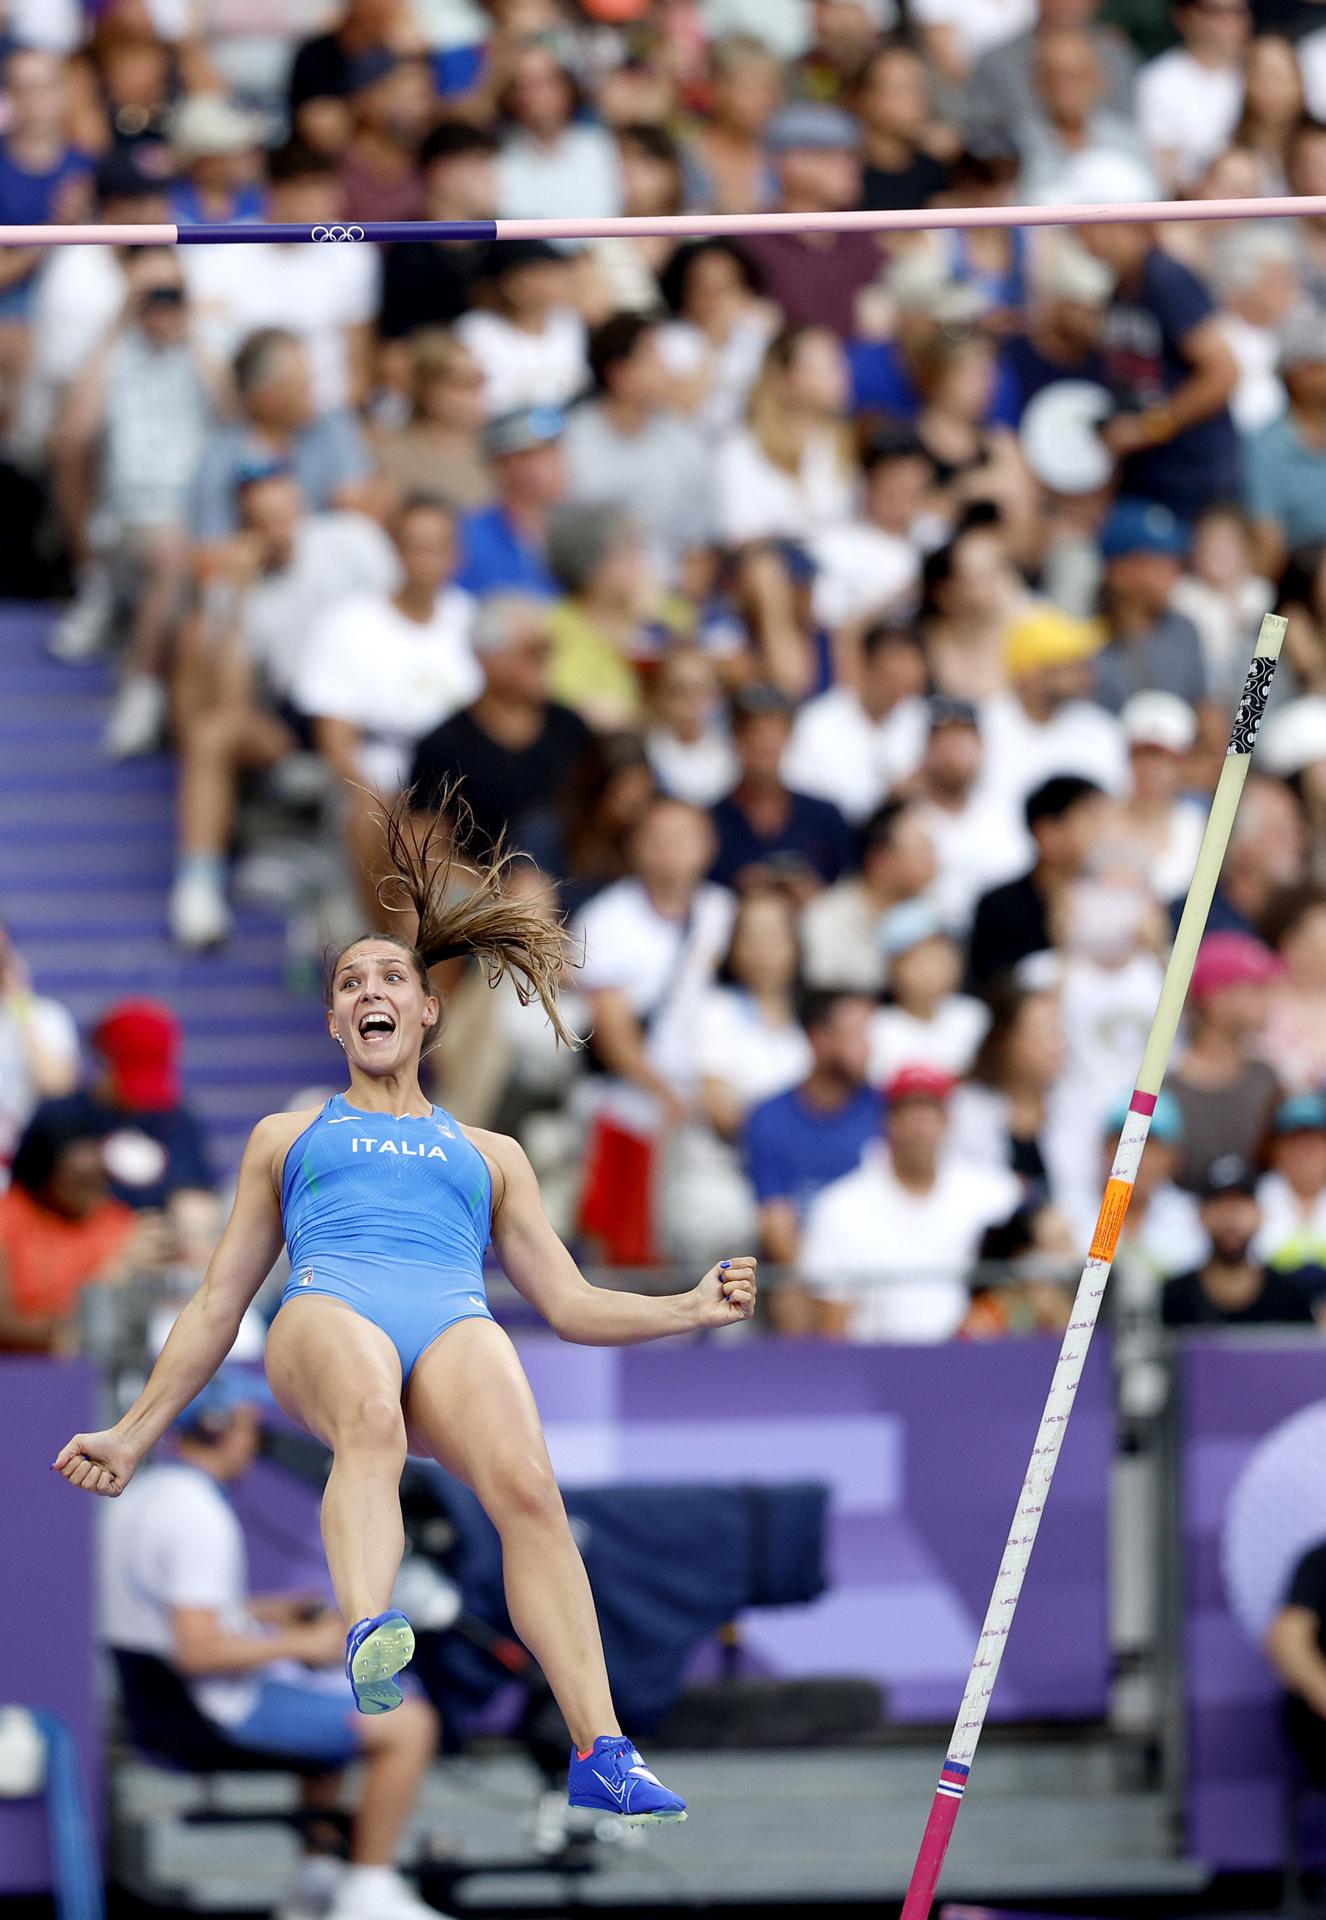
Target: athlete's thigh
x: 470, y: 1407
x: 322, y: 1358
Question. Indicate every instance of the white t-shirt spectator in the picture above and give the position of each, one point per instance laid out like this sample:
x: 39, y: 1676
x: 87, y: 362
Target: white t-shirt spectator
x: 900, y: 1259
x: 979, y: 24
x: 390, y: 677
x: 732, y: 367
x: 79, y: 297
x: 734, y: 1043
x: 1286, y: 1228
x: 319, y: 293
x: 760, y: 501
x: 948, y: 1042
x: 1080, y: 738
x: 54, y: 1027
x: 335, y: 555
x: 172, y: 1539
x: 863, y: 573
x: 663, y: 966
x: 1187, y: 110
x: 1259, y: 396
x: 578, y: 177
x: 523, y: 369
x: 700, y: 771
x: 837, y: 752
x: 979, y: 847
x: 840, y: 939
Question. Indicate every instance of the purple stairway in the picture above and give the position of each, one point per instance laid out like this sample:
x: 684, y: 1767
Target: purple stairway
x: 86, y: 853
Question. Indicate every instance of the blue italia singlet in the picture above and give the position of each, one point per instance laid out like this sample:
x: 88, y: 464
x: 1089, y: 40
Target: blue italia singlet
x: 391, y: 1216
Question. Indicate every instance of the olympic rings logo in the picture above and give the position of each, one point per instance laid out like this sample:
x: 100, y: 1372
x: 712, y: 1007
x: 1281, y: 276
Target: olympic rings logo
x: 337, y: 233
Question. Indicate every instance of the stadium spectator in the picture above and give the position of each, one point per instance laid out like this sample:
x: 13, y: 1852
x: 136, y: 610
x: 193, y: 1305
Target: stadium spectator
x: 887, y: 1249
x: 1170, y: 370
x: 392, y: 104
x: 429, y: 283
x: 855, y: 745
x: 971, y: 592
x: 1004, y: 1114
x: 976, y: 464
x: 264, y: 1669
x: 715, y: 345
x: 956, y: 37
x: 1035, y: 1257
x: 1268, y: 850
x: 1000, y: 90
x: 687, y: 742
x: 1065, y: 817
x: 801, y: 1140
x: 38, y: 1048
x: 240, y: 654
x: 131, y: 431
x: 503, y: 546
x: 1286, y: 460
x: 1274, y: 106
x: 978, y: 837
x: 902, y: 146
x: 789, y: 473
x: 1190, y: 98
x: 43, y: 179
x: 1296, y: 1647
x: 512, y: 750
x: 749, y: 1048
x: 652, y: 945
x: 585, y: 838
x: 1147, y: 645
x: 727, y: 166
x: 843, y: 34
x: 278, y: 421
x: 218, y: 153
x: 1060, y: 336
x: 840, y: 928
x: 1225, y: 1092
x: 1292, y: 1192
x: 627, y: 445
x: 379, y: 671
x: 322, y: 69
x: 62, y: 1229
x: 1045, y: 725
x: 439, y: 448
x: 1224, y: 597
x: 766, y: 830
x: 1159, y: 823
x: 553, y: 162
x: 1294, y: 1038
x: 926, y: 1021
x: 1307, y: 175
x: 1232, y: 1288
x: 1069, y: 123
x: 869, y: 567
x: 1253, y: 274
x: 527, y: 337
x: 598, y: 554
x: 815, y: 278
x: 326, y: 295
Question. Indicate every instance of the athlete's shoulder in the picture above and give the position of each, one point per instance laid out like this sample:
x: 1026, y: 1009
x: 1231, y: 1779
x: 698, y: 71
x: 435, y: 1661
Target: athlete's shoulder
x: 274, y: 1135
x: 505, y: 1156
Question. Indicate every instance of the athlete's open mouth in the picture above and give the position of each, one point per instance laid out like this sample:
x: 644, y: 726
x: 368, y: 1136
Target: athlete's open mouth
x: 376, y: 1025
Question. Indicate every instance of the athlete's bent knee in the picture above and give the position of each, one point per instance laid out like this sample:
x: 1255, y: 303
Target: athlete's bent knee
x: 371, y: 1423
x: 524, y: 1488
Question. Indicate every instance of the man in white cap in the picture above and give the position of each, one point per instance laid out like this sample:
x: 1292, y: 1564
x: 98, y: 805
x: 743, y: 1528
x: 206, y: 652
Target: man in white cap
x: 1158, y: 823
x: 217, y: 149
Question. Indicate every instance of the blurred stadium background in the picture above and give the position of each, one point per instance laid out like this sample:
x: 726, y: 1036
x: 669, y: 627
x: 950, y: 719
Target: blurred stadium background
x: 848, y: 631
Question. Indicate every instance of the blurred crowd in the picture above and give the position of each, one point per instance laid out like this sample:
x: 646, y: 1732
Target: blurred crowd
x: 847, y: 627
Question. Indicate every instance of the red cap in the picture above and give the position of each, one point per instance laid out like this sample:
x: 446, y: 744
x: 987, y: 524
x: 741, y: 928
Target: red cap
x: 1232, y: 960
x: 919, y: 1082
x: 140, y: 1042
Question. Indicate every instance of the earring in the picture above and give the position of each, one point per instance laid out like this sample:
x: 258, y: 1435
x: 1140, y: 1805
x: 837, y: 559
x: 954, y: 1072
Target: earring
x: 340, y: 1043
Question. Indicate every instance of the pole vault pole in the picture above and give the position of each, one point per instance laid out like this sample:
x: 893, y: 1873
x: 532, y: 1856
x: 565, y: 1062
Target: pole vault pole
x: 1086, y: 1306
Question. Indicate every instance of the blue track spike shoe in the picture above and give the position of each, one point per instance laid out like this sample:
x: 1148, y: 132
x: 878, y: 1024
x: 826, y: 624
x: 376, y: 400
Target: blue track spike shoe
x: 612, y: 1778
x: 375, y: 1650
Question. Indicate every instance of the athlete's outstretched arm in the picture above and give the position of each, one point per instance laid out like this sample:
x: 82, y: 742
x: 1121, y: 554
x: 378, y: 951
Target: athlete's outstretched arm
x: 204, y: 1333
x: 541, y: 1269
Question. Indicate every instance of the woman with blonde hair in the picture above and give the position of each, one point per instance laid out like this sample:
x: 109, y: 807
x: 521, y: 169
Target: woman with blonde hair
x: 789, y: 472
x: 384, y: 1341
x: 437, y: 451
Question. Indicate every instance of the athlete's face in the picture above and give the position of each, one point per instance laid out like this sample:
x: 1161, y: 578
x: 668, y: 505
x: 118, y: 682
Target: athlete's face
x: 380, y: 1013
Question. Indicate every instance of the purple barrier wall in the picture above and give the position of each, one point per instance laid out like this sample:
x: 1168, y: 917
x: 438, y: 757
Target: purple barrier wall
x: 1235, y: 1398
x: 47, y: 1653
x: 924, y: 1449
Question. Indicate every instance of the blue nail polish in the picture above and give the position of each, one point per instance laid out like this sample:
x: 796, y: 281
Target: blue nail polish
x: 725, y: 1263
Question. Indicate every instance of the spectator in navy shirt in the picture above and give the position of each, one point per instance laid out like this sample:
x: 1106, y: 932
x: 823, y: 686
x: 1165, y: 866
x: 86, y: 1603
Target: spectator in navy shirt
x: 504, y: 547
x: 42, y: 181
x: 799, y: 1141
x: 1172, y: 374
x: 766, y: 832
